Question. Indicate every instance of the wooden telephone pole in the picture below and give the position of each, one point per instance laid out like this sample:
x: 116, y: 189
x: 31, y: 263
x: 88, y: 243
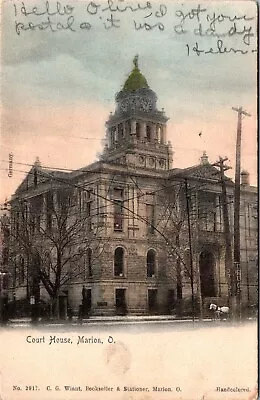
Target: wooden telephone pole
x: 190, y: 248
x: 237, y: 269
x: 229, y: 267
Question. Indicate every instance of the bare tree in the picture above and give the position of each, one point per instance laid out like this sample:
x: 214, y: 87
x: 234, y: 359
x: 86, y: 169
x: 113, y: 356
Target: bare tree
x: 177, y: 223
x: 59, y: 238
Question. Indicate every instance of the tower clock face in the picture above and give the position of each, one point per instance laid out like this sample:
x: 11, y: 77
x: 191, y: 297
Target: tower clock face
x: 146, y: 105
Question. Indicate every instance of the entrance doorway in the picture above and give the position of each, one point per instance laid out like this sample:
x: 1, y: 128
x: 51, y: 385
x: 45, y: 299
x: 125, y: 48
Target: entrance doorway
x: 152, y: 300
x: 121, y: 308
x: 63, y: 302
x: 86, y: 303
x: 207, y: 275
x: 170, y: 301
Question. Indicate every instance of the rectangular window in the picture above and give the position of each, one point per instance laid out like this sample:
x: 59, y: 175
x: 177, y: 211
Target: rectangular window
x: 89, y: 262
x: 120, y: 131
x: 118, y: 215
x: 220, y: 214
x: 17, y: 223
x: 79, y: 200
x: 38, y: 222
x: 88, y: 216
x: 253, y: 220
x: 32, y: 223
x: 49, y: 211
x: 118, y: 194
x: 49, y: 222
x: 207, y: 211
x: 113, y: 135
x: 118, y: 197
x: 150, y: 214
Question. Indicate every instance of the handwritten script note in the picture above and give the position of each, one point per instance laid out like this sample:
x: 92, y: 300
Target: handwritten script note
x: 206, y: 30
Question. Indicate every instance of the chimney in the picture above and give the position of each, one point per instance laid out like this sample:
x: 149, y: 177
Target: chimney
x: 244, y: 178
x: 204, y: 158
x: 37, y: 162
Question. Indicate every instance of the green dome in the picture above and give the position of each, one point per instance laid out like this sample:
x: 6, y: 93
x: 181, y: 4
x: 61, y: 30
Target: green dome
x: 136, y: 80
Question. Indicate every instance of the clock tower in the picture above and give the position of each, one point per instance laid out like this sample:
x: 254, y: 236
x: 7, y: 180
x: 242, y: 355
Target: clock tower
x: 136, y: 131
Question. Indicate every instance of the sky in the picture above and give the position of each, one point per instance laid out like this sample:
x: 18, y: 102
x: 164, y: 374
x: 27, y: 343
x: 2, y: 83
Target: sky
x: 59, y: 85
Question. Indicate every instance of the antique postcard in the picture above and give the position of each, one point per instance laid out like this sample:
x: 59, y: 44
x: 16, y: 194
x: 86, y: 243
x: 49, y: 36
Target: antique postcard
x: 129, y: 200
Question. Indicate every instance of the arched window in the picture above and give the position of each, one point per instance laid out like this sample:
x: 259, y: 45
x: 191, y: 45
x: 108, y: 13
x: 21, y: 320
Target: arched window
x: 113, y: 135
x: 128, y: 127
x: 150, y: 263
x: 120, y: 132
x: 158, y: 133
x: 148, y: 133
x: 137, y: 131
x: 119, y: 261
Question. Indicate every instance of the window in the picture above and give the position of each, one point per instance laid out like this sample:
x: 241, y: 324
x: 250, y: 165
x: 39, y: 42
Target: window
x: 113, y: 135
x: 35, y: 177
x: 32, y: 223
x: 150, y: 218
x: 137, y: 131
x: 49, y: 210
x: 159, y: 133
x: 21, y: 270
x: 88, y: 215
x: 35, y: 212
x: 118, y: 194
x: 118, y: 209
x: 86, y: 201
x: 16, y: 223
x: 89, y: 261
x: 80, y: 200
x: 253, y: 221
x: 207, y: 211
x: 120, y: 131
x: 128, y: 127
x: 150, y: 261
x: 119, y: 261
x: 118, y: 215
x: 148, y: 133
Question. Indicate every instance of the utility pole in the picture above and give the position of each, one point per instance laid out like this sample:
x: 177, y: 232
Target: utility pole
x: 200, y: 300
x: 190, y: 248
x: 247, y: 266
x: 240, y: 112
x: 229, y: 266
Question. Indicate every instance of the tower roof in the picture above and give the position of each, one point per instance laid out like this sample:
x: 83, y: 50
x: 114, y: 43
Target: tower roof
x: 136, y: 79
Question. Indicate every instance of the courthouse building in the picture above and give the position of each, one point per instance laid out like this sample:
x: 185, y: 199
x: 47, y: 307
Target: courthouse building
x: 135, y: 235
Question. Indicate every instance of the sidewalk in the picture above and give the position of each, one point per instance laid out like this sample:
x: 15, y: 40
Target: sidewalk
x: 105, y: 320
x: 116, y: 320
